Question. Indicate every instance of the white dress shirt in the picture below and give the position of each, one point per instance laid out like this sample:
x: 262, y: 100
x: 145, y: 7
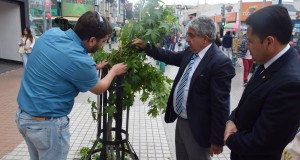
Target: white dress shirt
x: 187, y: 86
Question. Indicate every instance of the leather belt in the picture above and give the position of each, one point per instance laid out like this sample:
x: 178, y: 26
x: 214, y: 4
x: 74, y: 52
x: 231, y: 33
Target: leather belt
x: 38, y: 118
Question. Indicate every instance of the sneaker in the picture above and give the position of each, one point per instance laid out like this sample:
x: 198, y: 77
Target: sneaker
x: 245, y: 84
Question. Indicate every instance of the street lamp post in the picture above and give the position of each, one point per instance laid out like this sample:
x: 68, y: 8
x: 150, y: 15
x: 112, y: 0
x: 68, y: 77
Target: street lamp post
x: 124, y: 11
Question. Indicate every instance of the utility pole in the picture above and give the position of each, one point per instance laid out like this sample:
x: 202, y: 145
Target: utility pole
x: 140, y: 9
x: 124, y: 12
x: 197, y: 14
x: 223, y: 20
x: 240, y: 18
x: 103, y: 7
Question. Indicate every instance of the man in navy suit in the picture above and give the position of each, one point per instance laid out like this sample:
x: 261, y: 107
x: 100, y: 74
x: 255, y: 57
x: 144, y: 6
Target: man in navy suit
x: 199, y: 98
x: 268, y: 114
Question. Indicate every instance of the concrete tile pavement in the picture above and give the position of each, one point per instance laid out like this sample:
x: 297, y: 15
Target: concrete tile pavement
x: 151, y: 138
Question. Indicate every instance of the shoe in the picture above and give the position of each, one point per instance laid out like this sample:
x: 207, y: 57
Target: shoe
x: 245, y: 84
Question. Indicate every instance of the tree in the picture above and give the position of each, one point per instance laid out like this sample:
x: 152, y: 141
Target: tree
x: 157, y: 21
x: 141, y: 77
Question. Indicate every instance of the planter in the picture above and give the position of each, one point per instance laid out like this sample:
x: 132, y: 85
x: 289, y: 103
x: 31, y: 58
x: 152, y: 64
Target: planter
x: 120, y: 146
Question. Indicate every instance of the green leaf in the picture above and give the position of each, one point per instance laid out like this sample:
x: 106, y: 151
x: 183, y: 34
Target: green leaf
x: 141, y: 77
x: 110, y: 110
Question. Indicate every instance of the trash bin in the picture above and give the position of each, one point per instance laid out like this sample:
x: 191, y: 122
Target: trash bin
x: 157, y: 62
x: 162, y: 66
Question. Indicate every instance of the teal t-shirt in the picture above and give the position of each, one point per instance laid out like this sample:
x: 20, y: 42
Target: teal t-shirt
x: 59, y: 67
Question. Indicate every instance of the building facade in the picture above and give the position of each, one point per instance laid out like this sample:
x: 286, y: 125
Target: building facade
x: 41, y: 15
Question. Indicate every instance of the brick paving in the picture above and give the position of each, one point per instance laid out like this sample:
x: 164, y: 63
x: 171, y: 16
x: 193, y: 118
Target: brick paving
x: 9, y: 87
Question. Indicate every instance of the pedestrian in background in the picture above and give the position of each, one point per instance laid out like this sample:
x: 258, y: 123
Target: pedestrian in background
x: 59, y: 68
x: 218, y: 40
x: 267, y: 116
x: 199, y: 98
x: 27, y: 42
x: 173, y: 42
x: 292, y: 150
x: 167, y: 42
x: 114, y: 36
x: 246, y: 57
x: 227, y: 44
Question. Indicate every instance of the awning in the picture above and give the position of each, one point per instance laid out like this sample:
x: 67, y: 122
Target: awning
x: 71, y: 18
x: 231, y: 26
x: 68, y: 18
x: 234, y: 27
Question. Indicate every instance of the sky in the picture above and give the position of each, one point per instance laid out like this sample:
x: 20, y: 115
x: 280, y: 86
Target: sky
x: 194, y: 2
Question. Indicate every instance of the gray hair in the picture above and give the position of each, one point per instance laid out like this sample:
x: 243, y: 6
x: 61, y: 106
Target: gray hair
x: 204, y: 26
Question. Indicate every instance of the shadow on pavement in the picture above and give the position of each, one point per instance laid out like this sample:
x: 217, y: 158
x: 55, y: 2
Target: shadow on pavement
x: 6, y: 65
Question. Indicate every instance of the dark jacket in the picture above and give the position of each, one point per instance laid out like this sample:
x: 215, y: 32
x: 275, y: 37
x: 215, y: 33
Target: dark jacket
x: 227, y: 41
x: 218, y: 42
x: 209, y: 98
x: 267, y: 116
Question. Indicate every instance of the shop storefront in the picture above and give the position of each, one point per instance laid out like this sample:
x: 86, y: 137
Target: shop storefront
x: 13, y: 17
x: 296, y: 35
x: 45, y: 14
x: 39, y: 16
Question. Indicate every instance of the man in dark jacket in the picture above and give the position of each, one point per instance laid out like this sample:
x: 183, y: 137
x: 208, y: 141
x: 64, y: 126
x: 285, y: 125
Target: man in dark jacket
x: 199, y: 98
x: 227, y: 44
x: 267, y: 116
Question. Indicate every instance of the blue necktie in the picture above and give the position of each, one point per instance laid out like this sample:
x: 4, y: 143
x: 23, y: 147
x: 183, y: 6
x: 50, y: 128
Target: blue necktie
x: 182, y: 83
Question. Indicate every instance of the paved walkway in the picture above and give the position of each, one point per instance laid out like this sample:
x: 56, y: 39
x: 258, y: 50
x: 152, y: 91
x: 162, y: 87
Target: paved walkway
x: 151, y: 138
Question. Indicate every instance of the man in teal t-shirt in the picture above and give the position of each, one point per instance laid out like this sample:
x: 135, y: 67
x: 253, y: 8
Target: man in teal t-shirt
x: 59, y: 68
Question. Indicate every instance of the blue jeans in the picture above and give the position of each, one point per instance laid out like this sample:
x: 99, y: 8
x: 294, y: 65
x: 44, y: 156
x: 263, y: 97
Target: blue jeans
x: 46, y: 140
x: 25, y: 57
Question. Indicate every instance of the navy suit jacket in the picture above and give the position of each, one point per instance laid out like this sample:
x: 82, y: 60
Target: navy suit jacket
x: 268, y: 114
x: 209, y: 92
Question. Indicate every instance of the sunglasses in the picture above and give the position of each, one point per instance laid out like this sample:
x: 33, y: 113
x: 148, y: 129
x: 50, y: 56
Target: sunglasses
x: 100, y: 18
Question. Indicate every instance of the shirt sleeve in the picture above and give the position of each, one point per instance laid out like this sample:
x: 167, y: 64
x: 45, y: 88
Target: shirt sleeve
x: 83, y: 74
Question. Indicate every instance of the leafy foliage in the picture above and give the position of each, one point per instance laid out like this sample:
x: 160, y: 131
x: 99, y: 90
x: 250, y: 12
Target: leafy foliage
x: 84, y: 151
x: 141, y: 76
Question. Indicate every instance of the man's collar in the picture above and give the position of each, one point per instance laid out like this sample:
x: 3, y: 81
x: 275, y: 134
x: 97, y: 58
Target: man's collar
x: 278, y: 55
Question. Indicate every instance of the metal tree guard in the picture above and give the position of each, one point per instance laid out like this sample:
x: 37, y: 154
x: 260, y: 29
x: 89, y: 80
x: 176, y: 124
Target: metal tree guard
x: 121, y: 145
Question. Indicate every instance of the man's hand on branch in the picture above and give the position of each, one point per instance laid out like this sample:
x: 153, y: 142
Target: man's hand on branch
x: 119, y: 68
x: 138, y: 42
x: 101, y: 65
